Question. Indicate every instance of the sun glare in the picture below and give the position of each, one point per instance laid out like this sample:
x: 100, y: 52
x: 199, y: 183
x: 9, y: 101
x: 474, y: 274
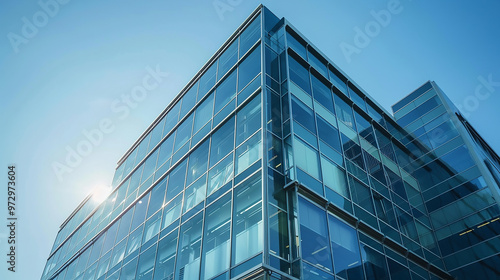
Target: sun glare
x: 100, y: 193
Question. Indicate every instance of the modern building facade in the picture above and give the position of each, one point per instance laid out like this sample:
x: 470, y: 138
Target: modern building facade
x: 272, y: 164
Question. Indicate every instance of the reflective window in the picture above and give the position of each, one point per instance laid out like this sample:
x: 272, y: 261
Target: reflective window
x: 296, y: 45
x: 317, y: 62
x: 322, y: 93
x: 156, y: 134
x: 225, y: 92
x: 249, y: 68
x: 248, y: 120
x: 345, y: 249
x: 198, y: 162
x: 152, y: 227
x: 195, y: 193
x: 176, y: 181
x: 140, y: 211
x: 299, y: 75
x: 303, y: 115
x: 146, y: 264
x: 334, y: 177
x: 110, y: 238
x: 216, y: 246
x: 172, y: 211
x: 221, y: 174
x: 157, y: 197
x: 203, y: 113
x: 118, y: 253
x: 314, y: 235
x: 207, y: 81
x: 128, y: 270
x: 149, y: 166
x: 228, y: 59
x: 222, y: 142
x: 165, y: 150
x: 165, y: 259
x: 172, y: 118
x: 337, y: 81
x: 188, y: 100
x: 183, y: 132
x: 374, y: 264
x: 248, y: 234
x: 328, y: 134
x: 306, y: 158
x: 344, y: 112
x: 188, y: 257
x: 248, y: 153
x: 249, y: 36
x: 134, y: 241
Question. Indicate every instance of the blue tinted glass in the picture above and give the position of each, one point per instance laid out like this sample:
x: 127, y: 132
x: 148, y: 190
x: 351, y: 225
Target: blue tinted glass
x: 249, y: 36
x: 207, y: 81
x: 203, y: 113
x: 314, y: 235
x: 198, y: 161
x: 176, y: 180
x: 165, y: 259
x: 356, y: 98
x: 172, y: 118
x: 317, y: 63
x: 157, y: 196
x: 183, y: 132
x: 344, y: 112
x: 165, y: 150
x: 188, y: 100
x: 344, y: 241
x: 328, y: 133
x: 156, y: 134
x: 322, y: 94
x: 140, y: 212
x: 228, y: 59
x: 249, y: 68
x: 303, y: 115
x: 222, y: 142
x: 248, y: 120
x: 296, y: 45
x: 225, y: 91
x: 299, y: 75
x: 189, y: 252
x: 272, y: 64
x: 374, y: 263
x: 337, y: 81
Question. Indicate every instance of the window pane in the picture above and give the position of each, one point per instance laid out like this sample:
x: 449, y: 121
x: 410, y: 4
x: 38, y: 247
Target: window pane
x: 221, y: 174
x: 140, y: 211
x: 188, y: 100
x: 374, y: 264
x: 203, y: 113
x: 216, y: 246
x: 248, y: 229
x: 345, y: 249
x: 188, y: 259
x: 176, y: 181
x: 207, y: 81
x: 183, y: 132
x: 172, y: 211
x: 303, y: 115
x: 248, y: 153
x: 344, y: 112
x: 322, y: 93
x: 328, y: 133
x: 152, y: 227
x: 249, y: 68
x: 165, y: 260
x: 222, y: 142
x: 165, y: 150
x: 195, y: 193
x: 157, y: 197
x: 248, y: 120
x: 228, y: 59
x: 172, y: 118
x: 334, y: 177
x: 198, y: 161
x: 296, y: 45
x: 225, y: 92
x: 146, y: 264
x: 299, y: 75
x: 314, y: 235
x: 306, y: 158
x: 249, y: 36
x: 149, y: 166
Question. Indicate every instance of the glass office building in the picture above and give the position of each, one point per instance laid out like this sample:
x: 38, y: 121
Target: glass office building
x: 272, y: 164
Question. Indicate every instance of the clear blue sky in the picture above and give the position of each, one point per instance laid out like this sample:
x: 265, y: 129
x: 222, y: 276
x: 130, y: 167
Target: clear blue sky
x: 87, y: 54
